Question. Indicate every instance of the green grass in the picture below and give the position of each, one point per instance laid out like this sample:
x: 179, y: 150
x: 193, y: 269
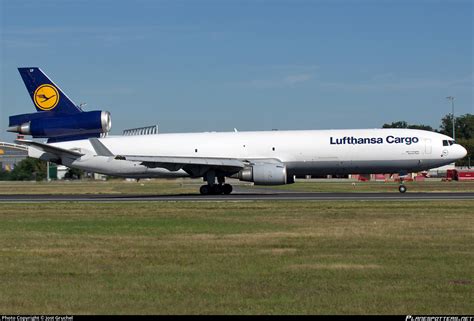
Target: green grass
x: 373, y: 186
x: 191, y: 186
x: 115, y: 186
x: 354, y: 257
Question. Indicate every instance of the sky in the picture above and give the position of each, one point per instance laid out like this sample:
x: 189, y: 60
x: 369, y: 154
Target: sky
x: 202, y: 65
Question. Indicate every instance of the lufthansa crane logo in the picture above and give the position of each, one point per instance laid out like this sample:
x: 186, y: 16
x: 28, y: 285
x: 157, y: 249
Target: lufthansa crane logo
x: 46, y: 97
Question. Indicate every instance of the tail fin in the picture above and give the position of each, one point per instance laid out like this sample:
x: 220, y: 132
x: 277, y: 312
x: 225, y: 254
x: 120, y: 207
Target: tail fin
x: 57, y: 117
x: 46, y: 95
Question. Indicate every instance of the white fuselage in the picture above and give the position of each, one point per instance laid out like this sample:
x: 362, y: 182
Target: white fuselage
x: 305, y: 152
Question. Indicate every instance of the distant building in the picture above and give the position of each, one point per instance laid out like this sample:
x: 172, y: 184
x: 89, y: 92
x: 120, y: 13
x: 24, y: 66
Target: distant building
x: 441, y: 171
x: 11, y: 154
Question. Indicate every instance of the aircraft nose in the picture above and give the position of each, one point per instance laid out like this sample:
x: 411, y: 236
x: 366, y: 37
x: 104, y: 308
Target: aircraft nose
x: 461, y: 152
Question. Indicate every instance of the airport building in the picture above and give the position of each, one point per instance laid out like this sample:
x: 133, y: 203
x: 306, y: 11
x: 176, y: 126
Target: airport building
x: 11, y: 154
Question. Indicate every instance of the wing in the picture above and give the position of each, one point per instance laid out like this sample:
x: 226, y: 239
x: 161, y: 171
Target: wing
x: 195, y: 166
x: 57, y: 151
x: 176, y: 162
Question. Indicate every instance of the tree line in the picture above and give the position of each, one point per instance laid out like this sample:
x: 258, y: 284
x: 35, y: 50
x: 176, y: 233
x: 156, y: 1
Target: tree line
x: 29, y: 169
x: 33, y: 169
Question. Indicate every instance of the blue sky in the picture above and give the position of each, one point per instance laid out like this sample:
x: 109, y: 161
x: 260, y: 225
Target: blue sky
x: 255, y: 65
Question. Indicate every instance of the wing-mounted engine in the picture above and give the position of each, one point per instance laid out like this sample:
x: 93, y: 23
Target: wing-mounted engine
x: 265, y: 174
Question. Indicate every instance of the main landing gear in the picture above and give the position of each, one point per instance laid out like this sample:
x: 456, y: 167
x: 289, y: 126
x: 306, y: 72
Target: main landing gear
x: 216, y: 189
x: 211, y: 188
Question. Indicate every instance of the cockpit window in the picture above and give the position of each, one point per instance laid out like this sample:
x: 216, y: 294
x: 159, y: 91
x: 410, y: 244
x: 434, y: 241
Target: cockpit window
x: 448, y: 142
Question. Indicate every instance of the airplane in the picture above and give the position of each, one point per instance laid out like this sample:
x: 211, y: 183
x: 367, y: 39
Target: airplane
x: 79, y: 139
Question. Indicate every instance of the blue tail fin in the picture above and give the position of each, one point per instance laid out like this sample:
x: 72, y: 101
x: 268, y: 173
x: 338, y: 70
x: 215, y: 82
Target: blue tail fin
x: 57, y: 117
x: 46, y: 95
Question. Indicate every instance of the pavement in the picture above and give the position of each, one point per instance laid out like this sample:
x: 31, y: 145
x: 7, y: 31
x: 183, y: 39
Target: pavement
x: 237, y: 196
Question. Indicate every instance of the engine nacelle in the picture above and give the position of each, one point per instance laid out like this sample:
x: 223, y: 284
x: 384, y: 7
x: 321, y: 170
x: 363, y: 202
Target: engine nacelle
x: 60, y: 125
x: 266, y: 174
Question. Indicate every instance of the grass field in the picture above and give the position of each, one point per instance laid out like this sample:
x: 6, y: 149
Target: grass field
x: 349, y: 257
x: 115, y: 186
x: 191, y: 186
x: 373, y: 186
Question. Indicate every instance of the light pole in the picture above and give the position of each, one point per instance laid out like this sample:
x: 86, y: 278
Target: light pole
x: 451, y: 98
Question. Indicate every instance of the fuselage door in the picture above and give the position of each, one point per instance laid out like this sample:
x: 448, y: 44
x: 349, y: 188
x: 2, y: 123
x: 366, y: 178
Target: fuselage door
x: 427, y: 146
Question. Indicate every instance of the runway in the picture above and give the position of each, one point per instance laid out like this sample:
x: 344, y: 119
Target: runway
x: 280, y: 196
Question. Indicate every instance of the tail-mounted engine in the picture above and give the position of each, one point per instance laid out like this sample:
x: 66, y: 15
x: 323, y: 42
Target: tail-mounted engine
x: 58, y: 125
x: 57, y: 118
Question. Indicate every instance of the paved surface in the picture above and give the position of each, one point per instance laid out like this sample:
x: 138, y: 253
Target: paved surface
x: 268, y: 196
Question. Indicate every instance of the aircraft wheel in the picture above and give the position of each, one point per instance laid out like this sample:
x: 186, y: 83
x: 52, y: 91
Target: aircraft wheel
x: 214, y: 189
x: 205, y: 190
x: 402, y: 188
x: 227, y: 189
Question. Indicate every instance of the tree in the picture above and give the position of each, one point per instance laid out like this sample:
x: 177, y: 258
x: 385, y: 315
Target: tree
x: 404, y: 124
x: 396, y: 124
x: 29, y: 169
x: 464, y: 126
x: 4, y: 175
x: 468, y: 144
x: 74, y: 173
x: 422, y: 127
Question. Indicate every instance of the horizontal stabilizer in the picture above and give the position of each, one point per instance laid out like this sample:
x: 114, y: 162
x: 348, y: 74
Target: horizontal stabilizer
x: 61, y: 152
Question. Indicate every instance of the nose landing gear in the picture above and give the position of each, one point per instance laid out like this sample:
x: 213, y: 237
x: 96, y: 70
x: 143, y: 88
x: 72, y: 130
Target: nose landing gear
x: 402, y: 188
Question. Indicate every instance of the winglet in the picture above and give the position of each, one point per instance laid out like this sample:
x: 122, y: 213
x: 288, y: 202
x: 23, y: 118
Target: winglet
x: 99, y: 148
